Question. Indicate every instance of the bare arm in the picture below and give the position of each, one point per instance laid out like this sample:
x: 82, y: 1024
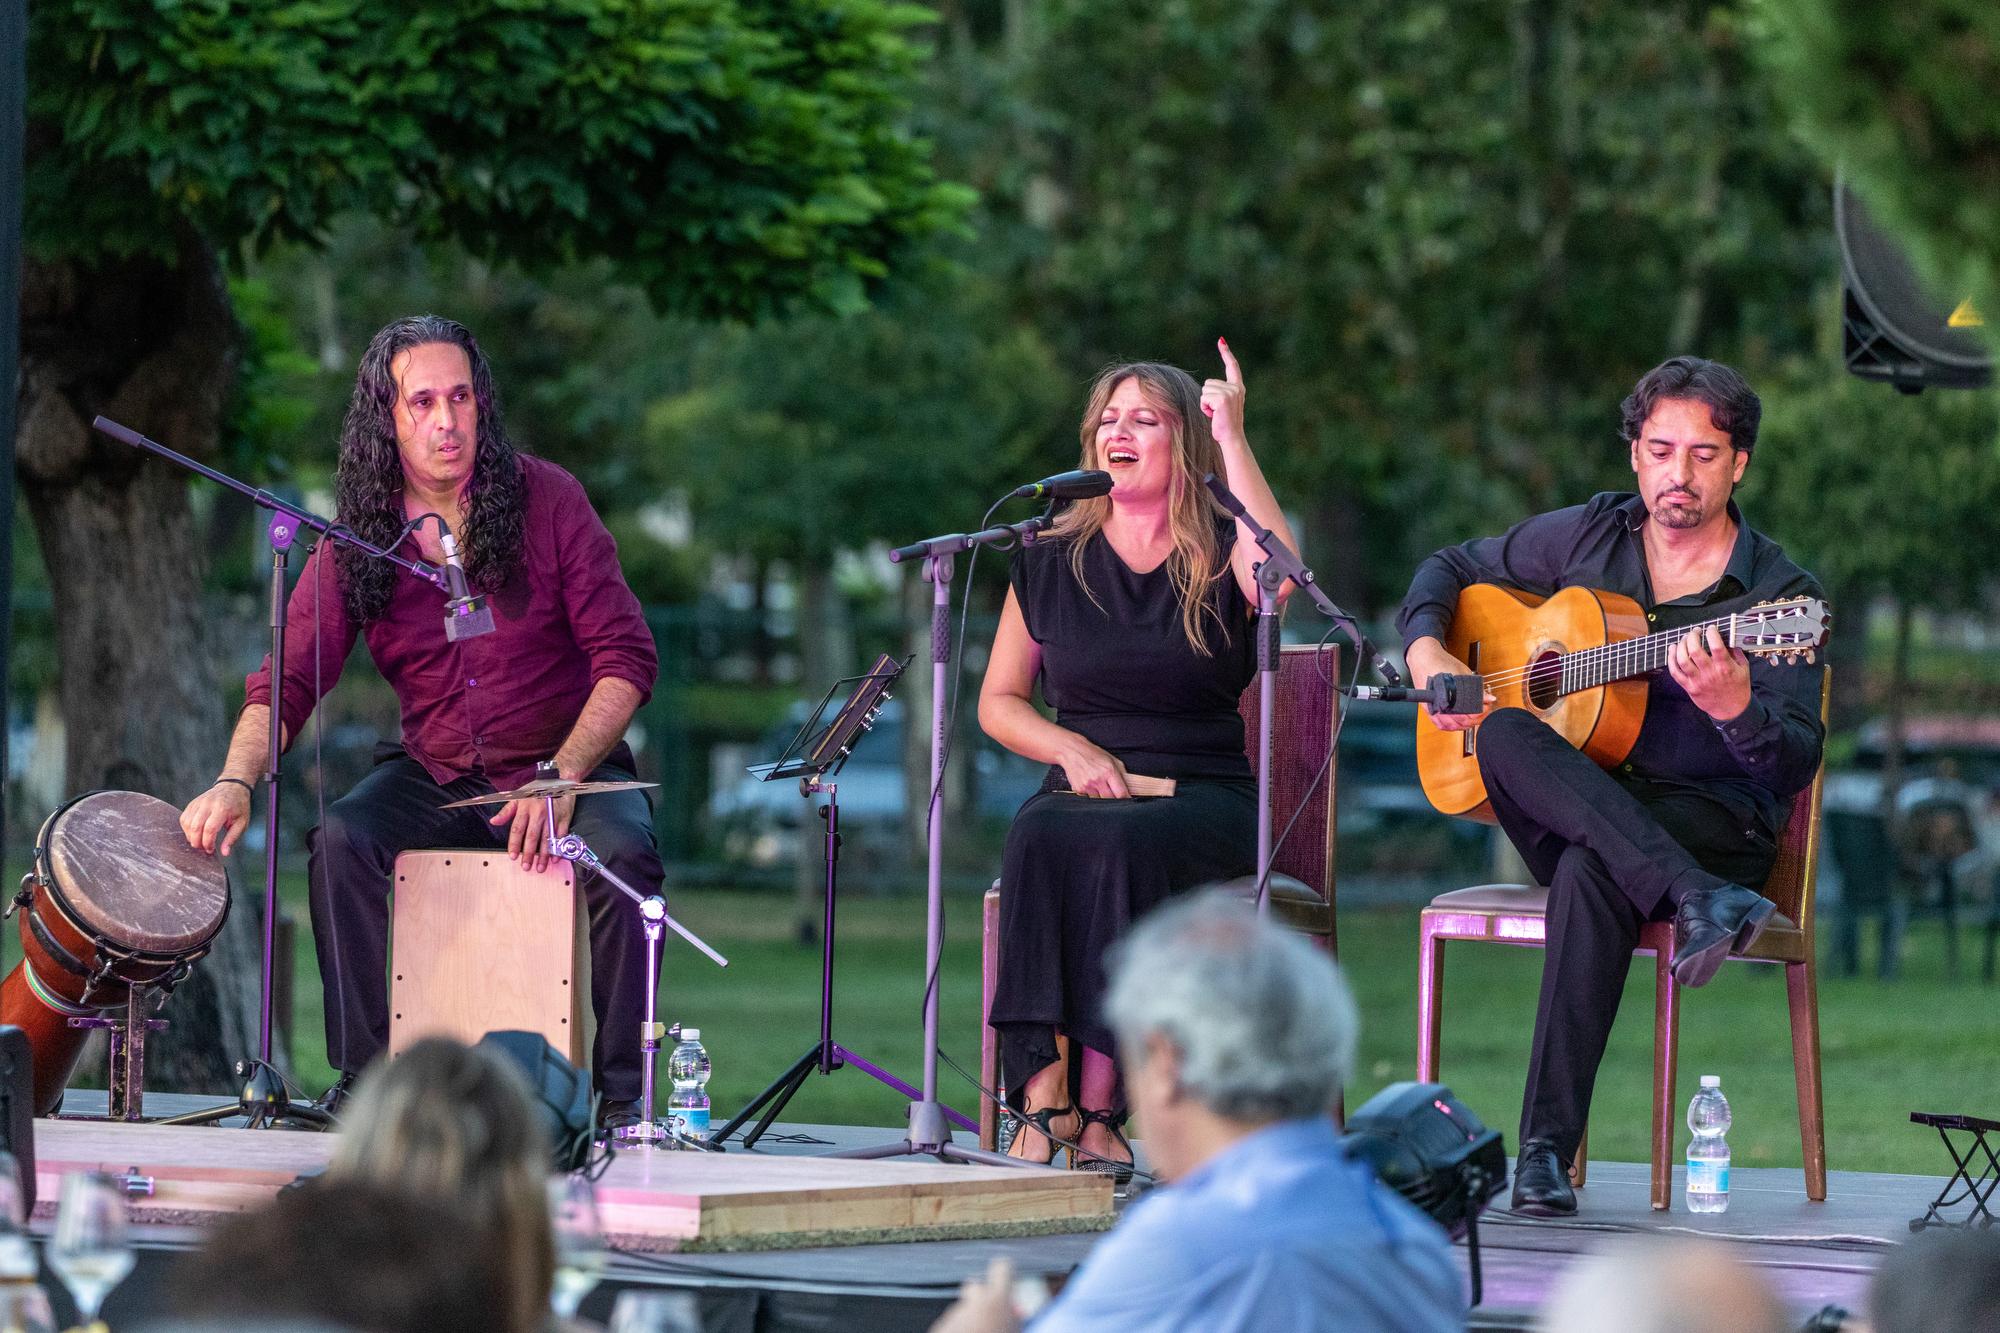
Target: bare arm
x: 214, y: 820
x: 1008, y: 714
x: 1223, y: 401
x: 606, y: 714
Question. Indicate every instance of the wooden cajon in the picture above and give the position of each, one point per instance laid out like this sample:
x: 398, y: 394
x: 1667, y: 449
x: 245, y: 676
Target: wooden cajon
x: 479, y: 944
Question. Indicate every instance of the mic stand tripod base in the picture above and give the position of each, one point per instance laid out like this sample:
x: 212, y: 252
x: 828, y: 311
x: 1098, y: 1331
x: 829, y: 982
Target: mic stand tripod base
x: 263, y: 1102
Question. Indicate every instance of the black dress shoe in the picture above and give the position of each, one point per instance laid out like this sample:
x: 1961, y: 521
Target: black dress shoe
x: 1541, y: 1182
x: 616, y: 1114
x: 334, y: 1100
x: 1711, y: 922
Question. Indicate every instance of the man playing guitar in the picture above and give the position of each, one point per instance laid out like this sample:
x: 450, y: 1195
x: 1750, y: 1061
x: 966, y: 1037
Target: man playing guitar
x: 1691, y: 816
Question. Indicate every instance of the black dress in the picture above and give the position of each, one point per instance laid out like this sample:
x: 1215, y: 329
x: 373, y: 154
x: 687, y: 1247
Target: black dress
x: 1077, y: 871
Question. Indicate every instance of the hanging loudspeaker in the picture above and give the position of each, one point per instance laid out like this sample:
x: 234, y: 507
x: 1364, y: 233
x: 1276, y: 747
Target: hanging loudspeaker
x: 1892, y: 328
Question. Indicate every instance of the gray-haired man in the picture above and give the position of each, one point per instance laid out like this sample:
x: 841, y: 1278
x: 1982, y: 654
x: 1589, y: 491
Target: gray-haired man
x: 1236, y: 1038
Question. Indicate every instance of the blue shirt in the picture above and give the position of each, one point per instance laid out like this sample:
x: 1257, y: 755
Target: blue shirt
x: 1279, y: 1231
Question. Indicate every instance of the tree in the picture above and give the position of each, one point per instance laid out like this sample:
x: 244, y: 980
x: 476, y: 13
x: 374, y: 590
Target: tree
x: 1445, y: 239
x: 1900, y: 97
x: 730, y: 159
x: 1883, y: 496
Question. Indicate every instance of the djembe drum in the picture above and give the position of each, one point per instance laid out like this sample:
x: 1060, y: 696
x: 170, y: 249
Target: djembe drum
x: 117, y: 900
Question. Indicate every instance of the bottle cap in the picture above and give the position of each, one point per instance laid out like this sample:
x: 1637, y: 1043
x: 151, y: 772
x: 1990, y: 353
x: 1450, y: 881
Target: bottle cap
x: 1707, y: 1080
x: 694, y: 1034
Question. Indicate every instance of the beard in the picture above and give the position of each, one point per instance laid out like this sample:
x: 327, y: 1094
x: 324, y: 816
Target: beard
x: 1680, y: 511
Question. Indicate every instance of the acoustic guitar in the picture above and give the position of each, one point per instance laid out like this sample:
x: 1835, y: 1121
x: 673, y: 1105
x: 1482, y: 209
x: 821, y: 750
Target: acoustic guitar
x: 1578, y: 660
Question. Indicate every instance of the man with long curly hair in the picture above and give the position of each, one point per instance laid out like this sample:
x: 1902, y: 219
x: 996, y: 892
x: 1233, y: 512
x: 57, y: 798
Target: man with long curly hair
x: 568, y: 663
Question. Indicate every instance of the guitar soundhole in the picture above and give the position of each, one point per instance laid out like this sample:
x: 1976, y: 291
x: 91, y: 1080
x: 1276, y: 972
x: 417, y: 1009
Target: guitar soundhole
x: 1545, y: 681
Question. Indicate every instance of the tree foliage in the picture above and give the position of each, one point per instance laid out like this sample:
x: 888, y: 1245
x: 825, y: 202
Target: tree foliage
x: 1901, y: 98
x: 733, y: 157
x: 1881, y: 493
x: 1445, y: 239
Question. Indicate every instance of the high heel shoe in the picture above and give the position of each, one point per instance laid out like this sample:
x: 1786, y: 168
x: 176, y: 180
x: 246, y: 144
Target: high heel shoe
x: 1041, y: 1121
x: 1120, y: 1172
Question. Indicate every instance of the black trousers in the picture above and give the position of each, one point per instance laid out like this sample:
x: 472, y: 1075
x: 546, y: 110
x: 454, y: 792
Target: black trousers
x: 1615, y: 855
x: 395, y: 809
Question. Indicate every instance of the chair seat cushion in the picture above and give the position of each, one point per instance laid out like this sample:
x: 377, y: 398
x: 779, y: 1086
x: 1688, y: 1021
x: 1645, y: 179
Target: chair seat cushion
x: 1781, y: 939
x: 1293, y: 903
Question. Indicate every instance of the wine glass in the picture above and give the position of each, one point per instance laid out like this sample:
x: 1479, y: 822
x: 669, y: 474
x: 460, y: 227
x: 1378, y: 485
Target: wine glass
x: 579, y: 1242
x: 655, y: 1312
x: 91, y: 1251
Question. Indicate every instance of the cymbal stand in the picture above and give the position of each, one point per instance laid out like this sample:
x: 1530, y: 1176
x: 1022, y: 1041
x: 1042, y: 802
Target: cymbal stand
x: 654, y: 918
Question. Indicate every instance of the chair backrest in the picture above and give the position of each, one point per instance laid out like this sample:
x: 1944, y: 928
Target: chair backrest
x: 1794, y: 878
x: 1305, y: 707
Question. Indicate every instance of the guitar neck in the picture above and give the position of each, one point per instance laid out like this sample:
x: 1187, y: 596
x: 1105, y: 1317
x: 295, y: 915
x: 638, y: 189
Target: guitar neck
x: 1588, y: 668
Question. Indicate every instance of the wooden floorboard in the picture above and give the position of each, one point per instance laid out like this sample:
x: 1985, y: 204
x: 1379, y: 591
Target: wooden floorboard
x: 650, y: 1200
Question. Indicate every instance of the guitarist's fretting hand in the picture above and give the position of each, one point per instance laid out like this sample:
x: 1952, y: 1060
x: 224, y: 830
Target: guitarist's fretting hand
x: 1426, y: 658
x: 1716, y: 676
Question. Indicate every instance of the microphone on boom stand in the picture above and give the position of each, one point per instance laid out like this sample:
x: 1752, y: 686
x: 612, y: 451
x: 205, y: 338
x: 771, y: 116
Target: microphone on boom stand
x: 465, y: 615
x: 1083, y: 485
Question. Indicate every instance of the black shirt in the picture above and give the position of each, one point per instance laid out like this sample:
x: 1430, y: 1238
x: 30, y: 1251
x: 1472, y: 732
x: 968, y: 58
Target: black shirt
x: 1117, y: 666
x: 1753, y: 762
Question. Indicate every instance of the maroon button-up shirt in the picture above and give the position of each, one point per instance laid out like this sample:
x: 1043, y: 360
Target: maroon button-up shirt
x: 501, y: 702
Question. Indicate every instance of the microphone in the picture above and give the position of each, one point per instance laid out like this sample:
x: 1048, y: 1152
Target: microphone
x: 465, y: 616
x: 1066, y: 486
x: 1444, y: 694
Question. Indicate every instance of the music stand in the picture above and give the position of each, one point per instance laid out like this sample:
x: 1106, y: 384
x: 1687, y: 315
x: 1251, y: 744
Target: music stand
x: 815, y: 757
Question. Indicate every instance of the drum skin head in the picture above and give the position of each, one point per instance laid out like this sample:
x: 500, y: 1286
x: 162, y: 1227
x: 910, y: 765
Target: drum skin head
x: 123, y: 868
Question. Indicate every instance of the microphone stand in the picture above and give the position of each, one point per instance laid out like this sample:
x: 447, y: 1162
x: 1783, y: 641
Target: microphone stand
x: 930, y: 1129
x: 1280, y: 563
x: 264, y: 1099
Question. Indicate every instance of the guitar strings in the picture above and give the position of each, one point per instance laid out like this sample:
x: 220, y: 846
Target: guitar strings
x: 1588, y: 667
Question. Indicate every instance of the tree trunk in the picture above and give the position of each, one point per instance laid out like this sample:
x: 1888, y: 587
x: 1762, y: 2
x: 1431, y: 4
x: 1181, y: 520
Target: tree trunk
x: 154, y: 345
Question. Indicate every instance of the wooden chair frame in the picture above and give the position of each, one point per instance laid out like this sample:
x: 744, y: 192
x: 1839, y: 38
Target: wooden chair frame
x: 1306, y: 720
x: 1514, y: 914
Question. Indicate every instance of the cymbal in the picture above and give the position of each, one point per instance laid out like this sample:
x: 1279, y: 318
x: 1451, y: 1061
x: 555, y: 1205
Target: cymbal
x: 541, y: 787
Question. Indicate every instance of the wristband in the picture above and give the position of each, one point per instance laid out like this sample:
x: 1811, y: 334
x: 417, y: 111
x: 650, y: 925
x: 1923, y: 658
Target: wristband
x: 238, y: 781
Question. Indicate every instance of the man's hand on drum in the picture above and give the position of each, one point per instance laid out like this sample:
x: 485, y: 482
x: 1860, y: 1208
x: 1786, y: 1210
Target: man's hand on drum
x: 527, y: 829
x: 1094, y: 772
x: 214, y: 820
x: 1426, y: 658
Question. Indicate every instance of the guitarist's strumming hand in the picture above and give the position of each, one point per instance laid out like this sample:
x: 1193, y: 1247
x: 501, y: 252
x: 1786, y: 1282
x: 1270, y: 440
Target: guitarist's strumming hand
x: 1426, y: 658
x: 1715, y: 676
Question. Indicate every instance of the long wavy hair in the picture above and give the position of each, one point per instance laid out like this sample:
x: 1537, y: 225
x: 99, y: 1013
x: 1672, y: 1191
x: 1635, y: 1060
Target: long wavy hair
x: 456, y: 1123
x: 368, y: 481
x: 1196, y: 561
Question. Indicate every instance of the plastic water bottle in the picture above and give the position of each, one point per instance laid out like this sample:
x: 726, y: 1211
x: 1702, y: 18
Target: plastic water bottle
x: 687, y: 1067
x: 1708, y: 1152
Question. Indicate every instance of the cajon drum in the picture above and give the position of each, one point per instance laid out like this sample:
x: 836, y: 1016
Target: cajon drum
x: 479, y: 944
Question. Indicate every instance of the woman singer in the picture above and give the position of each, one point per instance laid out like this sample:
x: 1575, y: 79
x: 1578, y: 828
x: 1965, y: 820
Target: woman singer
x: 1135, y: 610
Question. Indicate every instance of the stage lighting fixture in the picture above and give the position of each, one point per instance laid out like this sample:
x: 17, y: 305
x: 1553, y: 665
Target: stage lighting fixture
x: 1430, y: 1148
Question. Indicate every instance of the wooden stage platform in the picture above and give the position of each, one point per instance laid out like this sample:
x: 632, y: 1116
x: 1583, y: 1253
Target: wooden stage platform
x: 651, y: 1200
x: 774, y: 1260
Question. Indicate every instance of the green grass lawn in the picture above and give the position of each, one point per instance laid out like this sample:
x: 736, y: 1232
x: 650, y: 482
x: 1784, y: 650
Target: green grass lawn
x: 1890, y: 1048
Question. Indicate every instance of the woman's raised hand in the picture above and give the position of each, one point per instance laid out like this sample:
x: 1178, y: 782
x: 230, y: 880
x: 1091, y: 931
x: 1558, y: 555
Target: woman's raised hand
x: 1222, y: 400
x: 1094, y: 772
